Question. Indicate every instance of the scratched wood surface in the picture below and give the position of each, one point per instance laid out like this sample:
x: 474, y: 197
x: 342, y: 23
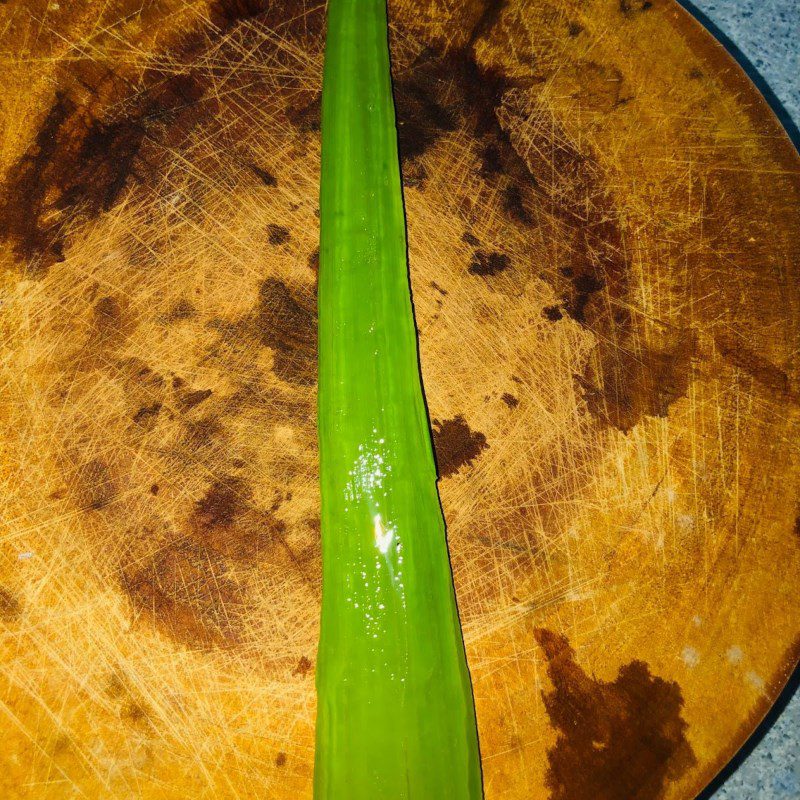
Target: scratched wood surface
x: 603, y: 220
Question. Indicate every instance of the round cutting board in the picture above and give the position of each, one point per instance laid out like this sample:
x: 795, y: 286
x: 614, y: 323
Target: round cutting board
x: 603, y: 222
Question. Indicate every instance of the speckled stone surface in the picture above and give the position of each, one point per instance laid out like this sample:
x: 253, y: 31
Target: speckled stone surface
x: 771, y: 772
x: 768, y: 34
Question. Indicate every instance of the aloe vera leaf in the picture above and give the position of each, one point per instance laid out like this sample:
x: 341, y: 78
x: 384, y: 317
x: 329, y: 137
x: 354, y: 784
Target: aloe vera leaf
x: 395, y: 716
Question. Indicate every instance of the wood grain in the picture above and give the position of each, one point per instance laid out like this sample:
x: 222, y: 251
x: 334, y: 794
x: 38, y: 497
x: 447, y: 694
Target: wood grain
x: 603, y: 220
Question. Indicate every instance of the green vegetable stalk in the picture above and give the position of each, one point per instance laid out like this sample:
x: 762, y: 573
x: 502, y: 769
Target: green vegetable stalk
x: 395, y: 714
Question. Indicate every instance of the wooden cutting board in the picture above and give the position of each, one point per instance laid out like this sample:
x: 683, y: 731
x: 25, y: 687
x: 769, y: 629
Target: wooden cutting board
x: 603, y: 220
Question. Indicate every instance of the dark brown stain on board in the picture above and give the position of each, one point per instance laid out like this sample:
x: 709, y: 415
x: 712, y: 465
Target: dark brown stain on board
x: 304, y: 666
x: 552, y: 313
x: 107, y: 127
x: 191, y: 399
x: 285, y: 320
x: 456, y: 445
x: 202, y: 434
x: 618, y: 740
x: 278, y: 234
x: 740, y: 355
x: 182, y: 310
x: 10, y: 606
x: 489, y: 263
x: 514, y: 204
x: 100, y: 135
x: 83, y: 158
x: 219, y: 506
x: 136, y: 713
x: 226, y: 521
x: 93, y: 484
x: 313, y: 260
x: 107, y: 319
x: 146, y: 416
x: 631, y: 7
x: 623, y: 390
x: 264, y: 175
x: 305, y: 114
x: 187, y: 589
x: 446, y: 89
x: 510, y: 400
